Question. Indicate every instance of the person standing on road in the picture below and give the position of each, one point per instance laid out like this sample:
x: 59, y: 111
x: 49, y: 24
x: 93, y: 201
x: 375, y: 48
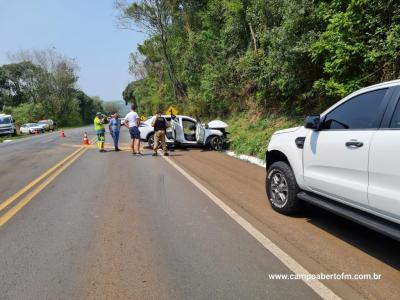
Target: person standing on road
x: 100, y: 131
x: 132, y: 121
x: 115, y: 125
x: 160, y: 127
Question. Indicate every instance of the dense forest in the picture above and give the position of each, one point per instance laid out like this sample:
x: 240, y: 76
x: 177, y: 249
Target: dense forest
x: 282, y: 57
x: 42, y: 84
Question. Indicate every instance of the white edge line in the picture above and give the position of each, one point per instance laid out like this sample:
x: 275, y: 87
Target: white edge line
x: 316, y: 285
x: 251, y: 159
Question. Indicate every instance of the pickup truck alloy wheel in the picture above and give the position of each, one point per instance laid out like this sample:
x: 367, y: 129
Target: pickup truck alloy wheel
x: 282, y: 188
x: 279, y: 189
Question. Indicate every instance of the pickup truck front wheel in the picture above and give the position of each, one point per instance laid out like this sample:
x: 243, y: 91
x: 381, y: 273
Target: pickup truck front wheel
x: 282, y: 188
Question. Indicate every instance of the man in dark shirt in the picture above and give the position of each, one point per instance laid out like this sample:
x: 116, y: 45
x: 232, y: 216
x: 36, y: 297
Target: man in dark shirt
x: 160, y: 127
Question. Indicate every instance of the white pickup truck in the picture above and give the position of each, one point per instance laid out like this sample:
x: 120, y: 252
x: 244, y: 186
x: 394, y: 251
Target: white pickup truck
x: 7, y: 126
x: 346, y: 160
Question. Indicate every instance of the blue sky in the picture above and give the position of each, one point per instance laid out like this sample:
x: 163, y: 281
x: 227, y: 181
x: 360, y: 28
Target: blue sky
x: 81, y: 29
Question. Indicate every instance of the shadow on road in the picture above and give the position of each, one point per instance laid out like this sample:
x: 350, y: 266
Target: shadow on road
x: 373, y: 243
x: 370, y: 242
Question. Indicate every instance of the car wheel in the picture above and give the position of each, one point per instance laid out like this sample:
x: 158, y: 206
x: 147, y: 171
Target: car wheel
x: 14, y: 133
x: 282, y: 188
x: 150, y: 141
x: 217, y: 143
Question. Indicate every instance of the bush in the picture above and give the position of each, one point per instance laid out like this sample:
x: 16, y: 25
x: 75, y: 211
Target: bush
x: 28, y: 112
x: 250, y: 135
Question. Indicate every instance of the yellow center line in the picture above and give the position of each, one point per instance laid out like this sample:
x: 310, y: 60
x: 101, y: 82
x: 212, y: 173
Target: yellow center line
x: 15, y: 209
x: 22, y: 191
x: 14, y: 197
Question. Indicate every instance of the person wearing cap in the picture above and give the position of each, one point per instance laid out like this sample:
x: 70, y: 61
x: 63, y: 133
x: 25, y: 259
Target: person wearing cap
x: 100, y: 131
x: 160, y: 125
x: 114, y: 126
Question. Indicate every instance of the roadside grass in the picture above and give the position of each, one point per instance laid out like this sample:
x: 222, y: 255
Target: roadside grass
x: 18, y: 137
x: 6, y: 137
x: 250, y: 135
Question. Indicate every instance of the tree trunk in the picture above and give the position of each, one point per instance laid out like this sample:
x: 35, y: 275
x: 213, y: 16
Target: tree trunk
x: 179, y: 90
x: 253, y: 37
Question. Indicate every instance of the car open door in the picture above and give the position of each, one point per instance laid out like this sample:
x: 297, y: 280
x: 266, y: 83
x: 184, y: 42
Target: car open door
x: 177, y: 130
x: 200, y: 133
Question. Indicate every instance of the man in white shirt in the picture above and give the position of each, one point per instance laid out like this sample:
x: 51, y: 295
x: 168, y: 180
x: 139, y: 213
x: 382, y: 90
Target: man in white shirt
x: 132, y: 121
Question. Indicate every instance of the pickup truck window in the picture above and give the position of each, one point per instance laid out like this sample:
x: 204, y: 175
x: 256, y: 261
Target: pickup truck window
x: 395, y: 123
x: 5, y: 120
x: 360, y: 112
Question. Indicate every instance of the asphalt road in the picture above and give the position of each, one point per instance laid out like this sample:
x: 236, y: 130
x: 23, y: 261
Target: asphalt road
x: 113, y: 226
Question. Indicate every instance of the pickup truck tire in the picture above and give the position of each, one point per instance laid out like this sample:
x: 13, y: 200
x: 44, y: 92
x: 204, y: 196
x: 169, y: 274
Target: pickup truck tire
x: 282, y: 188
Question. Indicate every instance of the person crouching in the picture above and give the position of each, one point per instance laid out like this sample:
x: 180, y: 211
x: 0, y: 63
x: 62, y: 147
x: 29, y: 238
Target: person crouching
x: 160, y: 127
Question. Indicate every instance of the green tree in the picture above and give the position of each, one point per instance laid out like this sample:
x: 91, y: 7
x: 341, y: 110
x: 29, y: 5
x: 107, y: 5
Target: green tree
x: 42, y: 84
x: 261, y: 56
x: 88, y: 106
x: 18, y: 83
x: 153, y: 17
x: 56, y: 84
x: 360, y: 45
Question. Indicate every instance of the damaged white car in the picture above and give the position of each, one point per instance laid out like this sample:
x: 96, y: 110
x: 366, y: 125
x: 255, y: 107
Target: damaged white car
x: 187, y: 131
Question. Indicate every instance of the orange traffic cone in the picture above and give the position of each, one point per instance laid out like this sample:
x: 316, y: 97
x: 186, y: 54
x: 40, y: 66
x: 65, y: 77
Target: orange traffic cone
x: 86, y: 139
x: 62, y: 133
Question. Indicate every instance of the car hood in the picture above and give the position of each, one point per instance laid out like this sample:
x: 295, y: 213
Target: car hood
x: 288, y: 130
x: 217, y: 124
x: 5, y: 125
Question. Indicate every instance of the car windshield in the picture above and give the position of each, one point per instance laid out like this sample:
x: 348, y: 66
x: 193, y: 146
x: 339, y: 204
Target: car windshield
x: 42, y: 122
x: 31, y: 124
x: 5, y: 120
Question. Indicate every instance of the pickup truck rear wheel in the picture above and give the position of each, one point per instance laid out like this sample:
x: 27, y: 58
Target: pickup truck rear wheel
x: 282, y: 188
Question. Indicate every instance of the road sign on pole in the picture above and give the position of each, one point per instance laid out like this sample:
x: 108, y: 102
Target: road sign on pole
x: 171, y: 111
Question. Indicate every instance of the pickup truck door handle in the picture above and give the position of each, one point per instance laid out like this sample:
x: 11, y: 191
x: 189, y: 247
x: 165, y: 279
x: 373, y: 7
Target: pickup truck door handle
x: 354, y: 144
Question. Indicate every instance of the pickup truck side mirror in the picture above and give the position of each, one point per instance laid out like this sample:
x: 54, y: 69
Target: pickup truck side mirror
x: 313, y: 122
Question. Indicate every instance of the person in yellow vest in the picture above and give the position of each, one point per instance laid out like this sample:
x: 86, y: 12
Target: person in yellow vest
x: 100, y: 131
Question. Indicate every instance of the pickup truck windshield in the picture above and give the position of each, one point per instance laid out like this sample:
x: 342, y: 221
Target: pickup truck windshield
x: 5, y: 120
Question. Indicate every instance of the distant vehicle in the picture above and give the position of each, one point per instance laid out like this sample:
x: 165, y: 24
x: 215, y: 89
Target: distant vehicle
x: 47, y: 125
x: 31, y: 128
x: 7, y: 126
x: 345, y: 160
x: 187, y: 131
